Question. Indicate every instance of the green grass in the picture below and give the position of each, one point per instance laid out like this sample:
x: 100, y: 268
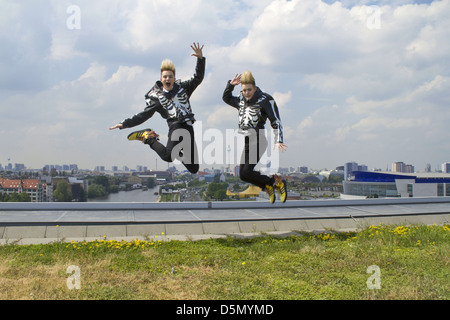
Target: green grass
x: 414, y: 262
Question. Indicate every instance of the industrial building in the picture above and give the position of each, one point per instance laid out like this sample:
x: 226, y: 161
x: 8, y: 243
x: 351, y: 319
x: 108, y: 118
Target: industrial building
x: 375, y: 184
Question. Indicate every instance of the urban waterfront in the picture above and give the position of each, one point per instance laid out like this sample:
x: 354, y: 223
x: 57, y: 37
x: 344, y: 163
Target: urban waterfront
x: 144, y: 196
x: 130, y: 196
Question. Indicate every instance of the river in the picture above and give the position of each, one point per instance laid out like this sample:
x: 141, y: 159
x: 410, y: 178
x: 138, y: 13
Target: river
x: 138, y: 196
x: 130, y: 196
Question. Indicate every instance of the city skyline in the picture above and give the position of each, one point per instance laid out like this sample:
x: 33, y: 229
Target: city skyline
x: 396, y: 166
x: 354, y: 80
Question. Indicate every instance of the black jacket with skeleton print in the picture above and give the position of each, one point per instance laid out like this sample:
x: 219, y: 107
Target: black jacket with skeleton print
x: 174, y: 106
x: 253, y: 113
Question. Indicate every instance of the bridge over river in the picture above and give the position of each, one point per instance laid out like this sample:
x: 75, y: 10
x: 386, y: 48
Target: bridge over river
x: 27, y: 223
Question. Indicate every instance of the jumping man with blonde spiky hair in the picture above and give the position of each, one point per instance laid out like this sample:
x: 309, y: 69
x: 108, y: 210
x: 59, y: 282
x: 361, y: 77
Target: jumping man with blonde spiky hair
x: 255, y: 107
x: 170, y: 98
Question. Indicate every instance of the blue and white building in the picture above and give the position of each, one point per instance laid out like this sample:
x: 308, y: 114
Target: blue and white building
x: 388, y: 184
x: 446, y: 167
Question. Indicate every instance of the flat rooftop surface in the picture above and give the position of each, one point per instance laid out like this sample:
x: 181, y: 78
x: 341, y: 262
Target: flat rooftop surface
x: 81, y: 220
x: 92, y: 212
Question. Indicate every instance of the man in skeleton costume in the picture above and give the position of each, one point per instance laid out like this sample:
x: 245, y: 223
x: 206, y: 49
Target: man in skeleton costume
x: 170, y: 98
x: 255, y: 107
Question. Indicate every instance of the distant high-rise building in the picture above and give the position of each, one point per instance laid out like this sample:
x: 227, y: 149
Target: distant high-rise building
x: 398, y: 167
x: 303, y: 169
x: 446, y: 167
x: 19, y: 166
x: 409, y: 168
x: 65, y: 167
x: 349, y: 168
x: 402, y: 167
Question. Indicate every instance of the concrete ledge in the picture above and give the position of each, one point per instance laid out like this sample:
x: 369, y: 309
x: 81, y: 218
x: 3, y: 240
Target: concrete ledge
x: 24, y: 232
x: 114, y: 206
x: 107, y: 231
x: 184, y: 228
x: 256, y: 226
x: 221, y: 227
x: 438, y: 219
x: 208, y: 229
x: 60, y: 232
x: 146, y: 229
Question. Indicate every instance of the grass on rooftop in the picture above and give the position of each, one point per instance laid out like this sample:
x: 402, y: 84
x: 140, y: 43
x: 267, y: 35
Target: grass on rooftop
x: 404, y: 262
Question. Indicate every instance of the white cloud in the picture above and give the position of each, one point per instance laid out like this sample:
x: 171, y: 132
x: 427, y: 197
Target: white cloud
x: 224, y: 116
x: 306, y: 123
x: 345, y: 90
x: 163, y: 25
x: 282, y: 99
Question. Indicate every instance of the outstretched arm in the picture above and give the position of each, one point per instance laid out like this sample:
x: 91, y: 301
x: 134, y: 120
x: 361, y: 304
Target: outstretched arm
x: 138, y: 118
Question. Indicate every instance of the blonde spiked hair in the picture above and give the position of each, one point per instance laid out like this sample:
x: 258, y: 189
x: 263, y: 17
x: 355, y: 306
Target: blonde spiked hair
x: 247, y: 78
x: 167, y: 65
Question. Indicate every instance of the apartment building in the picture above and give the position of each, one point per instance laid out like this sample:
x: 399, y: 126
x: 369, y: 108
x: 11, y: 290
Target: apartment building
x: 33, y: 187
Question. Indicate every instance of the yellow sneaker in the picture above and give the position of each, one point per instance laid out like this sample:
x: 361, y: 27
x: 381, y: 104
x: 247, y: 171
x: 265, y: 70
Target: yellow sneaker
x: 142, y: 135
x: 280, y: 185
x: 271, y: 193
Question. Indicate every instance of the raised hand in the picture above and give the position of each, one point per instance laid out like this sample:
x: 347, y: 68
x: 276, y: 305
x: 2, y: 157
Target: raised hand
x: 236, y: 80
x: 198, y: 51
x: 280, y: 146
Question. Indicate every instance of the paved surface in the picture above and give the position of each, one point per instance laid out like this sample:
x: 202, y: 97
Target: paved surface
x: 26, y: 223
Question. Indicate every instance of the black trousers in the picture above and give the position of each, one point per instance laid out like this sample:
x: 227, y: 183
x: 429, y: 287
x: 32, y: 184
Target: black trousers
x: 180, y: 145
x: 255, y: 146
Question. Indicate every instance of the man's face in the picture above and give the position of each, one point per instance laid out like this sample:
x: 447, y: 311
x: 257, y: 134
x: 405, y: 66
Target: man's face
x: 248, y: 90
x: 167, y: 79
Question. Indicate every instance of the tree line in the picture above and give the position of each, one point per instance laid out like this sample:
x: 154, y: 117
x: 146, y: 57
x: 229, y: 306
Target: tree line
x: 15, y: 197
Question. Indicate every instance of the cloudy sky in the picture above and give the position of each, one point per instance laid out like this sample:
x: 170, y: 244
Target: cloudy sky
x: 363, y: 81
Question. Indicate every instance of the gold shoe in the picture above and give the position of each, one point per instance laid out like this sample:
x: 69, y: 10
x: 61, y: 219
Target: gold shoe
x: 142, y: 135
x: 271, y: 193
x: 280, y: 185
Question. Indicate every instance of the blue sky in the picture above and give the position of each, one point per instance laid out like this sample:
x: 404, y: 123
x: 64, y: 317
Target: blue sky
x: 363, y: 81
